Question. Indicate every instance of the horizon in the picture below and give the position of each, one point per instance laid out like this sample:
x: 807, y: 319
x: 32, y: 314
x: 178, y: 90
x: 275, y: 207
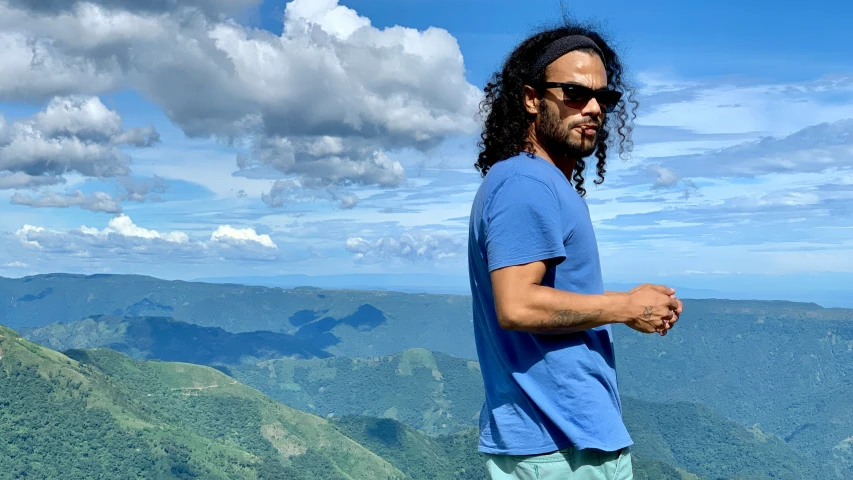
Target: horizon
x: 457, y: 285
x: 741, y: 171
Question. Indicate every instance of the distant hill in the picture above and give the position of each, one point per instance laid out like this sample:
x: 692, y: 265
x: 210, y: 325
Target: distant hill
x: 340, y: 322
x: 406, y: 283
x: 99, y: 414
x: 785, y: 367
x: 164, y: 338
x: 437, y: 393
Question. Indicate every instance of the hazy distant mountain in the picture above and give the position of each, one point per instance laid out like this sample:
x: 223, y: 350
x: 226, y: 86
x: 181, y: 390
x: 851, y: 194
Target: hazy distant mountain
x: 826, y: 289
x: 340, y: 322
x: 406, y: 283
x: 166, y: 339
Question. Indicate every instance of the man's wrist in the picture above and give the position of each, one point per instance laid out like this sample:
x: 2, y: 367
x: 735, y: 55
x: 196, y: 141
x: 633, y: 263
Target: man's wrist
x: 617, y: 306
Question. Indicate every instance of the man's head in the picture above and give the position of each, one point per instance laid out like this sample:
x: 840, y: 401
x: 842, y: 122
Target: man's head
x: 561, y: 92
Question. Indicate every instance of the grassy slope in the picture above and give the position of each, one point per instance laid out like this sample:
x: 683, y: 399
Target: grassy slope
x: 419, y: 386
x: 99, y: 414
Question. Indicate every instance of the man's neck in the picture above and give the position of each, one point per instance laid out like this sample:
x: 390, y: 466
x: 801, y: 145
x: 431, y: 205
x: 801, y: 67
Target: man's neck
x: 566, y: 165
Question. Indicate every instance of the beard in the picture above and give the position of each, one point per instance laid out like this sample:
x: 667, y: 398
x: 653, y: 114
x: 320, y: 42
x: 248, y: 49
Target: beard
x: 558, y: 140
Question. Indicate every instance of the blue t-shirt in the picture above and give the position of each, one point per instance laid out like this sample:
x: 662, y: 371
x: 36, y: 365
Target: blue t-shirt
x: 543, y: 392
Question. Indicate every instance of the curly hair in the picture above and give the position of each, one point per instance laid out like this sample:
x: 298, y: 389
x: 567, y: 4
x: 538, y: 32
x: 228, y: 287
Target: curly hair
x: 507, y: 122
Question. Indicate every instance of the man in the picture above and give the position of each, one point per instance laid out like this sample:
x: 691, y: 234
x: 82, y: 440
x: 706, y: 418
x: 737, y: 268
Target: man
x: 542, y: 318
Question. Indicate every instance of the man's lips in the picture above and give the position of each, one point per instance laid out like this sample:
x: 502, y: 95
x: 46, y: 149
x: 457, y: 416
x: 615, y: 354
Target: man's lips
x: 588, y: 129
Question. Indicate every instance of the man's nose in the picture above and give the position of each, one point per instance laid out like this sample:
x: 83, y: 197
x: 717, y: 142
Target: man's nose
x: 592, y: 108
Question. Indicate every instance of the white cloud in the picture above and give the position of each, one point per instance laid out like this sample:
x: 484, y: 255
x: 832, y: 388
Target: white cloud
x: 140, y: 190
x: 124, y: 226
x: 228, y: 235
x: 16, y: 264
x: 323, y: 102
x: 414, y: 246
x: 347, y: 202
x: 122, y: 238
x: 21, y: 180
x: 95, y: 202
x: 666, y: 177
x: 75, y: 134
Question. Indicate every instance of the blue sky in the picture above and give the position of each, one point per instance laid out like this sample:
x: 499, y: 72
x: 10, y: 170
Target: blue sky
x: 203, y: 141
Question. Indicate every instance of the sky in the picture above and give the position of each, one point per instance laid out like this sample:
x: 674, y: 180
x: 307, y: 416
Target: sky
x: 223, y: 138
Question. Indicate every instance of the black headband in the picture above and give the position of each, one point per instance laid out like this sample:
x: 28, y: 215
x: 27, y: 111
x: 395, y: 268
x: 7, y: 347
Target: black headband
x: 561, y: 47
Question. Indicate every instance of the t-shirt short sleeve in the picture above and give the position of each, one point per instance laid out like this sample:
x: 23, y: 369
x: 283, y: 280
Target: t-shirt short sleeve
x: 524, y: 224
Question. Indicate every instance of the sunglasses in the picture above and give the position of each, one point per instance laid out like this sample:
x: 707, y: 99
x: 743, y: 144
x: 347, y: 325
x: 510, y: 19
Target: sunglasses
x: 581, y: 95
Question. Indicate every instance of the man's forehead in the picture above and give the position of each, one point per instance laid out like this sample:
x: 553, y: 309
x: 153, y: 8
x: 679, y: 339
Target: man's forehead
x: 578, y: 67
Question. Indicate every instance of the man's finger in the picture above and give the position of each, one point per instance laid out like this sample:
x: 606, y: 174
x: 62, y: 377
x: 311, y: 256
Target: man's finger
x: 663, y: 289
x: 672, y: 303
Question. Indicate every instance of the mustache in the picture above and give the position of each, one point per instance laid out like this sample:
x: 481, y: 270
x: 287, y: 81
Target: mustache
x: 585, y: 121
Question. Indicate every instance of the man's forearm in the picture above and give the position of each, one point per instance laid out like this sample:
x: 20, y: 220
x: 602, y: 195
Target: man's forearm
x: 547, y: 310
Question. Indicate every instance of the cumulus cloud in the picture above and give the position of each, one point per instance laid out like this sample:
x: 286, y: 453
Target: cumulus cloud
x: 95, y: 202
x: 415, y: 246
x: 72, y: 134
x: 323, y: 102
x: 228, y: 235
x: 122, y: 238
x: 666, y: 178
x: 140, y: 190
x: 285, y: 192
x: 21, y: 180
x: 347, y: 202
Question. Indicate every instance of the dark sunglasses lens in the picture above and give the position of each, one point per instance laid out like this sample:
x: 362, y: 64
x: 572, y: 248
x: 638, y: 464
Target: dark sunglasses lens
x: 578, y: 94
x: 608, y: 98
x: 573, y: 93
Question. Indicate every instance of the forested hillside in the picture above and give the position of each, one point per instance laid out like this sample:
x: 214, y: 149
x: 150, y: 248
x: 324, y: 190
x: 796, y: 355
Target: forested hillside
x: 780, y: 367
x: 99, y: 414
x: 437, y: 393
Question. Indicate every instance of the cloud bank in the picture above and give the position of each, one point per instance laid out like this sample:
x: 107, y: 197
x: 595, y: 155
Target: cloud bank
x: 324, y: 102
x: 123, y: 239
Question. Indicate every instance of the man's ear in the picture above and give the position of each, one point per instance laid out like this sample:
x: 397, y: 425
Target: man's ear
x: 531, y: 100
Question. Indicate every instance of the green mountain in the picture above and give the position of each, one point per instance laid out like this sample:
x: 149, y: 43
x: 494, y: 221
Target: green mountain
x: 441, y: 394
x: 100, y: 414
x: 340, y: 322
x: 164, y: 338
x: 454, y: 456
x: 420, y: 456
x: 782, y: 367
x: 432, y: 392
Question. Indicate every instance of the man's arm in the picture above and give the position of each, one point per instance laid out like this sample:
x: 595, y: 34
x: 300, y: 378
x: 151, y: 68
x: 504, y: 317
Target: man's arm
x: 524, y: 304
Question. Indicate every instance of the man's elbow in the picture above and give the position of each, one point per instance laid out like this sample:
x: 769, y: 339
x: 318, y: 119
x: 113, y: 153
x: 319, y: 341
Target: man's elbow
x: 511, y: 318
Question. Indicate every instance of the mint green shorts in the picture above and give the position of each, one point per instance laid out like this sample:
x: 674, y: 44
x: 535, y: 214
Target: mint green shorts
x: 566, y: 464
